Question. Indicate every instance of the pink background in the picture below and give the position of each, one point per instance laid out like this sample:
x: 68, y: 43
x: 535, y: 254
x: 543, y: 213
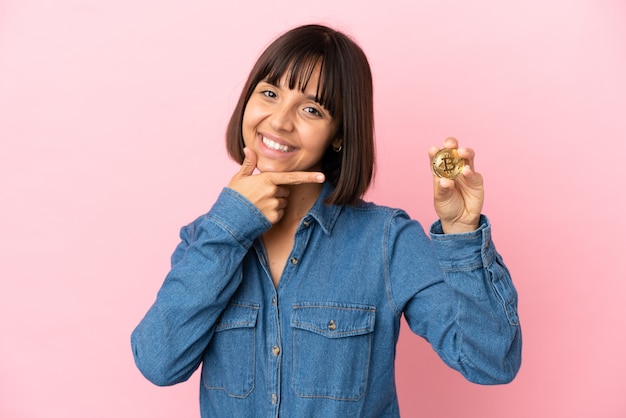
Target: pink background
x: 112, y: 115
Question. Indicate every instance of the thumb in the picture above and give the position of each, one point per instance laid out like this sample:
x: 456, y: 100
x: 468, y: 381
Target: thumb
x: 249, y: 162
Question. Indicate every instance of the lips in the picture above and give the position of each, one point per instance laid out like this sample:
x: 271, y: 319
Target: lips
x: 273, y: 145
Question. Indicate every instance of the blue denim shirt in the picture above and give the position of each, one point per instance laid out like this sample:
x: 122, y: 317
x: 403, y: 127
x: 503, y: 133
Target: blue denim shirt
x: 322, y: 344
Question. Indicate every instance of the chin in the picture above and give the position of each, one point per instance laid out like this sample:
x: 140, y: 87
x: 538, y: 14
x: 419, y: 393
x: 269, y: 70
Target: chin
x: 270, y: 167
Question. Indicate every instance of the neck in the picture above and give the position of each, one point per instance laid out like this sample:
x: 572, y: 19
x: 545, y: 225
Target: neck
x: 301, y: 198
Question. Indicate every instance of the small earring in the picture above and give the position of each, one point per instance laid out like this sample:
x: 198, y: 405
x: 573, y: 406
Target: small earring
x: 337, y: 148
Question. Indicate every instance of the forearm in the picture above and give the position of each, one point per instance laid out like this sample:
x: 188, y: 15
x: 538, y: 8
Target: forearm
x: 206, y: 271
x: 486, y: 345
x: 169, y: 341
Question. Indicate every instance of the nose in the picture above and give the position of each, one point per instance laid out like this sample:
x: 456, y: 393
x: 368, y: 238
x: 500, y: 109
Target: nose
x: 282, y: 117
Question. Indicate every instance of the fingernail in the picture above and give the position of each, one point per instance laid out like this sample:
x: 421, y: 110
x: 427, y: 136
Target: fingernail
x: 320, y: 178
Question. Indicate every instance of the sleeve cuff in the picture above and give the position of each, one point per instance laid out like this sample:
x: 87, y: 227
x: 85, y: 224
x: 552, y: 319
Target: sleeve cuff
x: 462, y: 251
x: 236, y: 214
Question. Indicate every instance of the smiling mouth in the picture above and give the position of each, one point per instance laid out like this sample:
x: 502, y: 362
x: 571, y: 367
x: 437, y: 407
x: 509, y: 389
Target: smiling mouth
x: 273, y: 145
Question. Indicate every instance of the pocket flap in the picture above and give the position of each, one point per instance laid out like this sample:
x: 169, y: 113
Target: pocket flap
x: 334, y: 320
x: 238, y: 315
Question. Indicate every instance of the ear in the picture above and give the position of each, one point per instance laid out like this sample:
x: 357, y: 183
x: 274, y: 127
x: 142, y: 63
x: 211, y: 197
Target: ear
x: 337, y: 143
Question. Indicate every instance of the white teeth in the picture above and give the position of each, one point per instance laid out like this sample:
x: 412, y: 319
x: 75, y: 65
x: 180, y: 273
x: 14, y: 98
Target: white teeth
x: 275, y: 145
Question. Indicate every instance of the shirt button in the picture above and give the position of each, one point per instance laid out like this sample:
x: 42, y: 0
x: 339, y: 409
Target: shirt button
x: 306, y: 223
x: 276, y: 350
x: 273, y: 399
x: 294, y: 260
x: 332, y: 326
x: 274, y: 301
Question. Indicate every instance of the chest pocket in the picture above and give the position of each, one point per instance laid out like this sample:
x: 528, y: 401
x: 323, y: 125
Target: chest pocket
x: 229, y: 361
x: 332, y: 347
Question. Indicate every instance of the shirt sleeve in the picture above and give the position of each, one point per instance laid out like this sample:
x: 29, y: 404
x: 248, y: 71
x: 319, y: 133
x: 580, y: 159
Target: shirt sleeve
x: 206, y: 271
x: 460, y: 297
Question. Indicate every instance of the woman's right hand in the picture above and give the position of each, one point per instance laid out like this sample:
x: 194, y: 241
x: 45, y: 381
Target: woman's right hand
x: 268, y: 191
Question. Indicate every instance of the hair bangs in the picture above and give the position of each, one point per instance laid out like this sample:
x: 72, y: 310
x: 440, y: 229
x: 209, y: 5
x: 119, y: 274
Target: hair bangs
x: 297, y: 69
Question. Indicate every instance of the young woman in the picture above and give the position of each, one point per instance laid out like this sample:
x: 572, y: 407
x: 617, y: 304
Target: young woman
x: 289, y: 292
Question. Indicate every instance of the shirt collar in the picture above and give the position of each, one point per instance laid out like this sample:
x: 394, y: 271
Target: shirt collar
x: 325, y: 215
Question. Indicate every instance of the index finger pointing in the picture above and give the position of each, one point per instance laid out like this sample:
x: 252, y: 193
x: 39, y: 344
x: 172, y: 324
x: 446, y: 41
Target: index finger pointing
x: 297, y: 177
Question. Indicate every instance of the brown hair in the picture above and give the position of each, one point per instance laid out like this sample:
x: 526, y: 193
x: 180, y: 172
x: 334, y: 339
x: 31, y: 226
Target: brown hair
x: 345, y: 90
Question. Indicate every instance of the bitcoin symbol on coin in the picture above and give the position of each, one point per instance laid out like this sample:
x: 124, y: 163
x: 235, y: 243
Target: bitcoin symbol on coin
x: 447, y: 163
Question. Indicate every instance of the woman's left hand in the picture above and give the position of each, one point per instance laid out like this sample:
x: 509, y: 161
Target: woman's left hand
x: 459, y: 202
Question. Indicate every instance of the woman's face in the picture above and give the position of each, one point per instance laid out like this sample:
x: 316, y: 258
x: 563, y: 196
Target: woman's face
x: 288, y: 129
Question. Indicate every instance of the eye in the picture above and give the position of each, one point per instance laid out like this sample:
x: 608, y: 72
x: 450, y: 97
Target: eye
x: 312, y: 111
x: 268, y: 93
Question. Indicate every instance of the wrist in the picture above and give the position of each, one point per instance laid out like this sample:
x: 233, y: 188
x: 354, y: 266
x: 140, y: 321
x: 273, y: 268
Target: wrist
x: 458, y: 227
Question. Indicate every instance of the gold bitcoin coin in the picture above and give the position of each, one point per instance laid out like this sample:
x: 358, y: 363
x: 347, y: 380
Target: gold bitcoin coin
x: 447, y: 163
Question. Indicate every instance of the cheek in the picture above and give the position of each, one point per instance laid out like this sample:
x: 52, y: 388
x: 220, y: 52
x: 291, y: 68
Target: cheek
x: 245, y: 121
x: 324, y: 140
x: 247, y: 124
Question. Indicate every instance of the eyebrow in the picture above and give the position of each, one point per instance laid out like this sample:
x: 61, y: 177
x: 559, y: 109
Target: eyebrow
x: 312, y: 97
